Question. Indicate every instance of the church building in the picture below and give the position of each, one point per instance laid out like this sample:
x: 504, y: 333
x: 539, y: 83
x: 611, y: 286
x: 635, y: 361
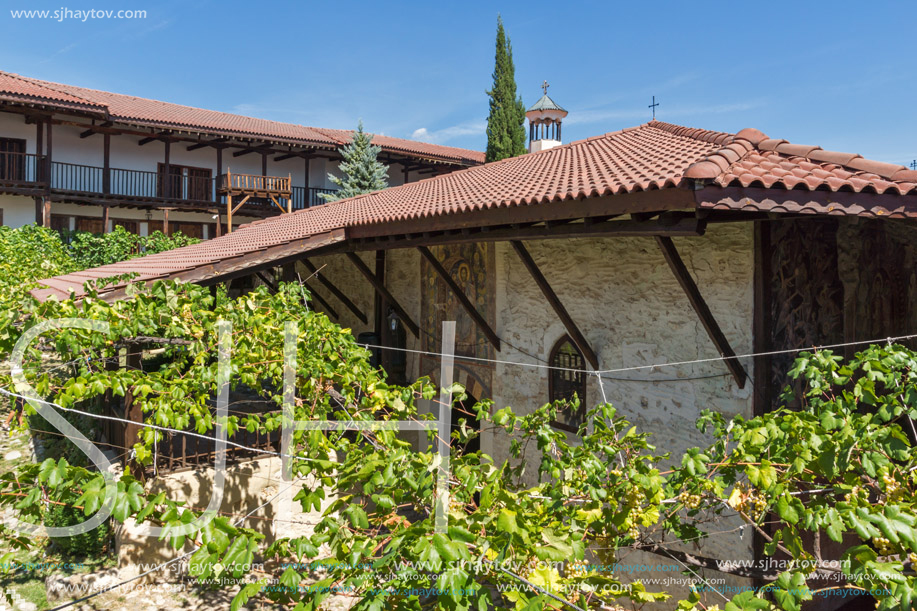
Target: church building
x: 637, y: 266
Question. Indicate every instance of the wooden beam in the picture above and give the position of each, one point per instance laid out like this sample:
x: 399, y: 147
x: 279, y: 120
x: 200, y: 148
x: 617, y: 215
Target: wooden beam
x: 328, y: 308
x: 383, y: 292
x: 205, y: 144
x: 267, y: 281
x: 572, y: 330
x: 97, y: 129
x: 350, y: 305
x: 165, y: 221
x: 147, y: 140
x: 105, y: 218
x: 700, y: 307
x: 476, y: 316
x: 687, y: 226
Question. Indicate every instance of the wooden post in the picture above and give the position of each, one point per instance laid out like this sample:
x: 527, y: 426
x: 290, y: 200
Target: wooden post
x: 379, y: 301
x: 216, y: 195
x: 264, y: 164
x: 132, y: 409
x: 219, y: 224
x: 46, y: 212
x: 288, y: 272
x: 290, y: 198
x: 167, y: 173
x: 165, y: 221
x: 105, y: 218
x: 47, y: 171
x: 307, y: 199
x: 106, y: 163
x: 228, y: 211
x: 39, y: 151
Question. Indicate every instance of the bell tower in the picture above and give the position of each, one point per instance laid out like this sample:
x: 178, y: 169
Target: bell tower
x: 544, y: 122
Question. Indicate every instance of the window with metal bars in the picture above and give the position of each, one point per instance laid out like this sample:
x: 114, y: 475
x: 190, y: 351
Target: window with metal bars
x: 568, y: 378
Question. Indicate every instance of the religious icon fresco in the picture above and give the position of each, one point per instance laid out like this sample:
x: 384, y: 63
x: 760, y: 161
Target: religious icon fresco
x: 471, y: 266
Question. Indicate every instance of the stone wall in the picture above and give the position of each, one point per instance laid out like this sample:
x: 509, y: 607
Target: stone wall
x: 628, y: 304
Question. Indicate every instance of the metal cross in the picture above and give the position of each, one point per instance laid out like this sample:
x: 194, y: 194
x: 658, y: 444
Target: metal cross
x: 544, y: 87
x: 914, y: 165
x: 653, y: 106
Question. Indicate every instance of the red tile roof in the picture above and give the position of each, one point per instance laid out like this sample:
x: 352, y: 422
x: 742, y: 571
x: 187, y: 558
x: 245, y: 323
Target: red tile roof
x: 153, y: 113
x: 708, y: 169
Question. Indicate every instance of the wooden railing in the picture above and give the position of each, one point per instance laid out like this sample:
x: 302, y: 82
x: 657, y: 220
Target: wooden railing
x: 74, y: 177
x: 21, y: 168
x: 140, y: 184
x: 307, y: 197
x: 254, y: 184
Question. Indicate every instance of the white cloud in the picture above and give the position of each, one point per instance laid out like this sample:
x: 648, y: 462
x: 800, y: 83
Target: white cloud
x: 438, y: 136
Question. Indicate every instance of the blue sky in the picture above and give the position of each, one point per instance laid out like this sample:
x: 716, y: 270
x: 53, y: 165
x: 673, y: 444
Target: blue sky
x: 837, y: 74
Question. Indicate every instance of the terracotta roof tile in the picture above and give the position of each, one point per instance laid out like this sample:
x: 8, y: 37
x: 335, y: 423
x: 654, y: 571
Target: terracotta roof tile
x: 652, y: 156
x: 146, y: 112
x: 15, y: 87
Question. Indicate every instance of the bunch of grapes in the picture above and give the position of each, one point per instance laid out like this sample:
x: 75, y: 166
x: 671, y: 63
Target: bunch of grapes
x: 752, y: 502
x: 577, y: 568
x: 883, y: 546
x: 893, y: 489
x: 690, y: 501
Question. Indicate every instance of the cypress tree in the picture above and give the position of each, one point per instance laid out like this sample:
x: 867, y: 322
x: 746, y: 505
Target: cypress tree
x: 362, y: 171
x: 506, y: 122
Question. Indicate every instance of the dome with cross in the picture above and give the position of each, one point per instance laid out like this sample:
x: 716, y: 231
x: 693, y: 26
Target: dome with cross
x: 544, y: 117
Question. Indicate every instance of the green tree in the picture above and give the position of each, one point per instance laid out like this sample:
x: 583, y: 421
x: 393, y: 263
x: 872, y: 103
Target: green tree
x: 363, y: 172
x: 505, y: 123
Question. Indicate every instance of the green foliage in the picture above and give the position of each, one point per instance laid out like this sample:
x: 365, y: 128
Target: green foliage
x: 506, y: 121
x: 89, y: 544
x: 95, y: 249
x: 28, y: 254
x: 842, y: 467
x: 362, y: 171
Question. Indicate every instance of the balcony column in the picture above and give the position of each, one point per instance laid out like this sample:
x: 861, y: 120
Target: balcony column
x: 216, y: 198
x: 165, y: 221
x: 167, y: 173
x: 307, y: 198
x: 45, y: 212
x: 105, y: 219
x: 264, y: 164
x: 106, y: 164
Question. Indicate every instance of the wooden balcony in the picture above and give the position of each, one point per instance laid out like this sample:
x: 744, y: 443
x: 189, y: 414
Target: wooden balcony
x: 254, y: 185
x: 35, y: 176
x: 275, y: 189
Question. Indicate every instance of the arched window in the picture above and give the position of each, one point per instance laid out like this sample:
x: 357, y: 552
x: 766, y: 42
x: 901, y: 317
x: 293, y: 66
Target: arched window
x: 564, y: 382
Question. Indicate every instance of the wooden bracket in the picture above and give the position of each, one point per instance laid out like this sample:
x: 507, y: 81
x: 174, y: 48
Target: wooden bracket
x: 578, y: 338
x: 350, y: 305
x: 472, y: 311
x: 700, y: 307
x: 380, y: 288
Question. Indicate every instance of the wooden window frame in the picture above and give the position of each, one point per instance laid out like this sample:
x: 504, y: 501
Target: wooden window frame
x: 553, y: 391
x: 12, y: 169
x: 182, y: 177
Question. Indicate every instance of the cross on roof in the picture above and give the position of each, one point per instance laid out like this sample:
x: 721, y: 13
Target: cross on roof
x: 544, y: 87
x: 914, y: 165
x: 653, y: 106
